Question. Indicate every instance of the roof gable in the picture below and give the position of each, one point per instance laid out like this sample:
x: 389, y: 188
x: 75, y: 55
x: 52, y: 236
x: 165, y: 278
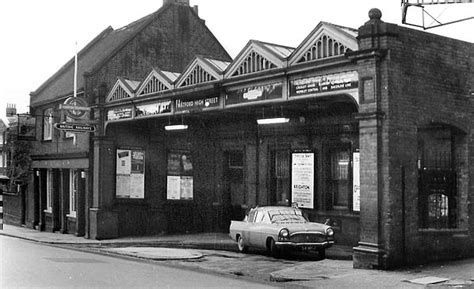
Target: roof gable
x: 201, y: 70
x: 258, y: 56
x: 325, y: 41
x: 157, y: 81
x: 122, y: 89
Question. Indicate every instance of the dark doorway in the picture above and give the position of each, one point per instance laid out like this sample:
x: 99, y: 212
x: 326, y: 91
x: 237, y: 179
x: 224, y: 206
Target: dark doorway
x: 234, y: 186
x: 280, y: 178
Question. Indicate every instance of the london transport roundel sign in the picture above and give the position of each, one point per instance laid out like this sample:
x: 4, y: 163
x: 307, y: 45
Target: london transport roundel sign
x: 75, y: 107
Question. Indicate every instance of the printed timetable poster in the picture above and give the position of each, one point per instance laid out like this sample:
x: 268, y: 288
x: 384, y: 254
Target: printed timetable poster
x: 302, y: 179
x: 130, y: 174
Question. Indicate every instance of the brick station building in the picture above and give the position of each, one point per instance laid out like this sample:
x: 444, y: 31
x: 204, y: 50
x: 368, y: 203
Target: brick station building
x: 375, y: 135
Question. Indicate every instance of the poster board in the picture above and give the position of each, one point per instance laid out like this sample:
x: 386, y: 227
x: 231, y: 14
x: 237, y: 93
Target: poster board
x: 179, y: 179
x: 302, y: 179
x: 130, y: 174
x: 356, y: 182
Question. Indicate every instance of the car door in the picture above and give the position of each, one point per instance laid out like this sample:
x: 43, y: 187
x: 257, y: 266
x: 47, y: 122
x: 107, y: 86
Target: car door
x: 249, y: 228
x: 260, y: 229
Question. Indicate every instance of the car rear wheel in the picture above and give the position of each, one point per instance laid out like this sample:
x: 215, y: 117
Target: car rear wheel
x: 240, y: 244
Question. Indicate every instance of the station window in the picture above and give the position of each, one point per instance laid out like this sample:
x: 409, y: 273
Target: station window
x: 339, y: 177
x: 48, y: 124
x: 73, y: 189
x: 437, y: 187
x: 49, y: 190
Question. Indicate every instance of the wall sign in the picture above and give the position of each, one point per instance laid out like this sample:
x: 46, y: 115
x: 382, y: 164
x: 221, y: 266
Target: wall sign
x: 130, y: 174
x: 356, y: 182
x: 26, y: 127
x: 324, y: 83
x: 155, y: 108
x: 254, y: 93
x: 119, y: 113
x: 302, y: 179
x: 197, y: 104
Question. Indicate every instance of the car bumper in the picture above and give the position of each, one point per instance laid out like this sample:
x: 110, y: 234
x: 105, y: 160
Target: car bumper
x: 320, y: 245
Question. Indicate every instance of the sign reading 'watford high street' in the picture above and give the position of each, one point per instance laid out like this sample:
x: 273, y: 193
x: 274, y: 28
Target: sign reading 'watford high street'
x: 74, y: 127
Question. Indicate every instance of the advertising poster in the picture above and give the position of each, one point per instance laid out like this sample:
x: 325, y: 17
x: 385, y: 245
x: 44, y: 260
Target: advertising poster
x: 130, y: 174
x: 254, y: 93
x: 151, y: 109
x: 173, y: 187
x: 302, y: 180
x: 180, y: 176
x: 356, y: 182
x: 186, y: 188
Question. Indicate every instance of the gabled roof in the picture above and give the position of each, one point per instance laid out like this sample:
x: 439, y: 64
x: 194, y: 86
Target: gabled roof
x: 201, y: 70
x: 157, y: 81
x: 110, y: 42
x: 258, y: 56
x: 89, y: 58
x: 325, y: 41
x: 123, y: 88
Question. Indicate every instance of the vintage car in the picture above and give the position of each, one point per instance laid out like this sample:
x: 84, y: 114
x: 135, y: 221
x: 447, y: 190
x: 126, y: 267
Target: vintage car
x: 275, y: 228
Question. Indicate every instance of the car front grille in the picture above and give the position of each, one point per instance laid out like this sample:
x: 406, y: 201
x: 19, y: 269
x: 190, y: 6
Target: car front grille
x: 307, y: 238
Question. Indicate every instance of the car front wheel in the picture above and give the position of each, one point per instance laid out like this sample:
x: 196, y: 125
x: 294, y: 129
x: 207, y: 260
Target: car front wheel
x: 322, y: 253
x: 240, y: 244
x: 274, y: 250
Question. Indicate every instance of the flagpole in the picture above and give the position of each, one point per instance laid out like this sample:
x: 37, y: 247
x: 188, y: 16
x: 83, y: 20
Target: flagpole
x: 75, y: 72
x: 75, y: 86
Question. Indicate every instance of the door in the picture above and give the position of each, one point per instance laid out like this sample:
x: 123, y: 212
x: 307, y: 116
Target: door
x: 234, y: 185
x: 280, y: 178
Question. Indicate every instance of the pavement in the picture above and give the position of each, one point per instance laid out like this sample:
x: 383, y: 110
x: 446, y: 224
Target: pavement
x: 333, y: 272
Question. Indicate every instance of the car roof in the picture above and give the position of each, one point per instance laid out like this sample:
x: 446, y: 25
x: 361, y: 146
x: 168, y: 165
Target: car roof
x: 275, y: 208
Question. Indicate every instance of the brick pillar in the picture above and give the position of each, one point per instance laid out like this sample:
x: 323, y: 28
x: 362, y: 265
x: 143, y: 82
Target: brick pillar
x: 64, y: 199
x: 371, y: 251
x: 103, y: 220
x: 42, y: 199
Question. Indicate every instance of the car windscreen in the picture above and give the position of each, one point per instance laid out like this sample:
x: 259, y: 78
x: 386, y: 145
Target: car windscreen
x: 286, y: 216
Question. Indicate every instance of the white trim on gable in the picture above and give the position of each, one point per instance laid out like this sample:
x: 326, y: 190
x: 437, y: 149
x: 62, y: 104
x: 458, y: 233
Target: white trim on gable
x: 155, y: 82
x: 120, y: 91
x: 325, y: 41
x: 199, y: 71
x: 255, y: 57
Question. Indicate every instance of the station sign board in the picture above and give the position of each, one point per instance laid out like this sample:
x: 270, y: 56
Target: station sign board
x: 197, y: 104
x: 324, y: 83
x: 75, y: 127
x: 119, y: 113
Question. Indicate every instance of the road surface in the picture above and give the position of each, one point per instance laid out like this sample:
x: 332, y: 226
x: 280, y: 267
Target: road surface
x: 27, y: 264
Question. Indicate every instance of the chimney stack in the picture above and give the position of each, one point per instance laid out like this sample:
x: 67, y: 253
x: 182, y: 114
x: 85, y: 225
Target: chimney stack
x: 11, y: 110
x: 181, y: 2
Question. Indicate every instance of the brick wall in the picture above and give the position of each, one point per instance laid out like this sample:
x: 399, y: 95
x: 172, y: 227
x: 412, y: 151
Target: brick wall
x: 420, y: 79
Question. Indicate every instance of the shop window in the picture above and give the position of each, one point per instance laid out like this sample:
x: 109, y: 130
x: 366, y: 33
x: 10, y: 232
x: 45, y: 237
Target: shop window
x: 280, y: 186
x: 437, y: 186
x: 339, y: 177
x: 48, y: 124
x: 49, y: 190
x: 73, y: 190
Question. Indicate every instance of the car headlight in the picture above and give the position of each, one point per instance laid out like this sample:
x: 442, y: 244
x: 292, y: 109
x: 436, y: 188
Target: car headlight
x: 330, y: 232
x: 284, y: 233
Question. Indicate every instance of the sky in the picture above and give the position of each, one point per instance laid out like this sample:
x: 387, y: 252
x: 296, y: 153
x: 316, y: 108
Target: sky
x: 39, y: 37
